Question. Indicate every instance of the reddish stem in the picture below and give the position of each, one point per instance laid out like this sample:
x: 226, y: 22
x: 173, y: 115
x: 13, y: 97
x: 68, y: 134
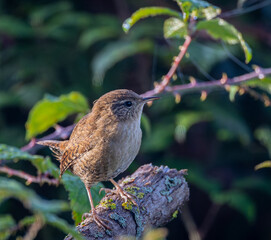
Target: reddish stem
x: 29, y: 178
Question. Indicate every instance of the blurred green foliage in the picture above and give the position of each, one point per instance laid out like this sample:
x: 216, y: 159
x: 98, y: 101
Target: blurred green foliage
x: 57, y: 56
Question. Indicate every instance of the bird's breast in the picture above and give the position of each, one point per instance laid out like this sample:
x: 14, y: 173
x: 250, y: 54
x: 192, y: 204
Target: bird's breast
x: 125, y: 146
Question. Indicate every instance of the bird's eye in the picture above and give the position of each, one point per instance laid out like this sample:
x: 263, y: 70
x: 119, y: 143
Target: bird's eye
x: 128, y: 103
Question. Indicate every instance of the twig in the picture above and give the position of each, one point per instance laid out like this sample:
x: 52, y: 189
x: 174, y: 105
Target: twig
x: 190, y: 224
x: 29, y: 178
x: 166, y: 79
x: 200, y: 86
x: 59, y: 133
x: 34, y: 229
x: 241, y: 11
x: 209, y: 219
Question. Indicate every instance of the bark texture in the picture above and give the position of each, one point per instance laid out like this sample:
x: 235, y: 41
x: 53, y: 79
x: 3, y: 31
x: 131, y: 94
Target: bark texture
x: 159, y: 191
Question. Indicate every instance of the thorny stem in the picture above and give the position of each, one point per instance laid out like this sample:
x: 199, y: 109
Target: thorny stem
x: 159, y: 88
x: 29, y: 178
x: 166, y: 79
x: 221, y: 83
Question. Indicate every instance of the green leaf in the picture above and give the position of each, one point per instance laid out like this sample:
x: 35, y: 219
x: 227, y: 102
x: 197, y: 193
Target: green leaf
x: 160, y: 138
x: 263, y: 134
x: 238, y: 200
x: 175, y: 27
x: 206, y: 55
x: 148, y: 12
x: 78, y: 195
x: 10, y: 188
x: 6, y: 223
x: 91, y: 36
x: 253, y: 183
x: 265, y: 164
x: 264, y: 84
x: 228, y: 120
x: 26, y: 221
x: 41, y: 14
x: 220, y: 29
x: 114, y: 53
x: 62, y: 225
x: 233, y: 91
x: 146, y: 124
x: 187, y: 119
x: 43, y: 165
x: 198, y: 9
x: 15, y: 27
x: 50, y: 110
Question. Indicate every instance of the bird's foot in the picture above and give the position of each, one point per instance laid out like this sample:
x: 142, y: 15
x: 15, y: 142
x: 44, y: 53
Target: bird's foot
x: 123, y: 194
x: 101, y: 222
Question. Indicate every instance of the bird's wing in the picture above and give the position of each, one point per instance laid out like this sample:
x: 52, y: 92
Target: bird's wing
x: 72, y: 153
x: 80, y: 142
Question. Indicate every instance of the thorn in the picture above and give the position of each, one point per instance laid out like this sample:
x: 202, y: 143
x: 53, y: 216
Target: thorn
x: 241, y: 91
x: 266, y: 100
x: 227, y: 87
x: 203, y: 96
x: 155, y: 84
x: 267, y: 103
x: 192, y: 81
x: 178, y: 98
x: 258, y: 70
x: 181, y: 48
x: 224, y: 78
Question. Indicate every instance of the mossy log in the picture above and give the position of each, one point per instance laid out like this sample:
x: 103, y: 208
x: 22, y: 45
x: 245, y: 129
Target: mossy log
x: 160, y: 192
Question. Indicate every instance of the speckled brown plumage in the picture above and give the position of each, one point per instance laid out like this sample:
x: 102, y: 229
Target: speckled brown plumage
x: 104, y: 142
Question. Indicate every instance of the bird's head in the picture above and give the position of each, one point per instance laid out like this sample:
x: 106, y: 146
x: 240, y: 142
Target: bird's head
x: 123, y: 104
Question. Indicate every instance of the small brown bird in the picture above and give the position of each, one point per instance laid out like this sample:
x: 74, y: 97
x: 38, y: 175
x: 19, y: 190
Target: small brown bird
x: 104, y: 143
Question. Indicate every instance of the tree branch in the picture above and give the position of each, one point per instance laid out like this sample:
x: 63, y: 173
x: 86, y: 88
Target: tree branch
x: 29, y: 178
x: 221, y: 83
x: 64, y: 132
x: 160, y: 193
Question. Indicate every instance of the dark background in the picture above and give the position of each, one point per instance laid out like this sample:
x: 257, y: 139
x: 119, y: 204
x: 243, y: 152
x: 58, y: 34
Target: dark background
x: 221, y: 149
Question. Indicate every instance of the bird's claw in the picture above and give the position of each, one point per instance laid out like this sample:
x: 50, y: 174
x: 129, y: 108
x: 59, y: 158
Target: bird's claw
x: 119, y: 191
x: 106, y: 190
x: 101, y: 222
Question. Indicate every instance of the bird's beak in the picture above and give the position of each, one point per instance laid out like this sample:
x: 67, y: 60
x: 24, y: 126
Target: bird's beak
x: 148, y: 99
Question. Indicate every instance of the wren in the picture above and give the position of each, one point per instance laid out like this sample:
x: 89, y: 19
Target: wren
x: 104, y: 143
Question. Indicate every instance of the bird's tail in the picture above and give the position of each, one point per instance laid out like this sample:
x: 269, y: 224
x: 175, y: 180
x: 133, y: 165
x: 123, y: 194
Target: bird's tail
x: 57, y: 147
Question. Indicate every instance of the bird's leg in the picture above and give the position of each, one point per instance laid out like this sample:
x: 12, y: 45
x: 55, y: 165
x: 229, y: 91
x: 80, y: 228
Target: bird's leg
x: 100, y: 221
x: 123, y: 194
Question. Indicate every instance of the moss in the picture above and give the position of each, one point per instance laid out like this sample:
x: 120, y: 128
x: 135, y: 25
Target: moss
x: 127, y: 205
x: 139, y: 222
x: 132, y: 190
x: 170, y: 183
x: 108, y: 203
x: 147, y: 189
x: 140, y: 195
x: 119, y: 219
x: 98, y: 235
x: 175, y: 214
x: 108, y: 232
